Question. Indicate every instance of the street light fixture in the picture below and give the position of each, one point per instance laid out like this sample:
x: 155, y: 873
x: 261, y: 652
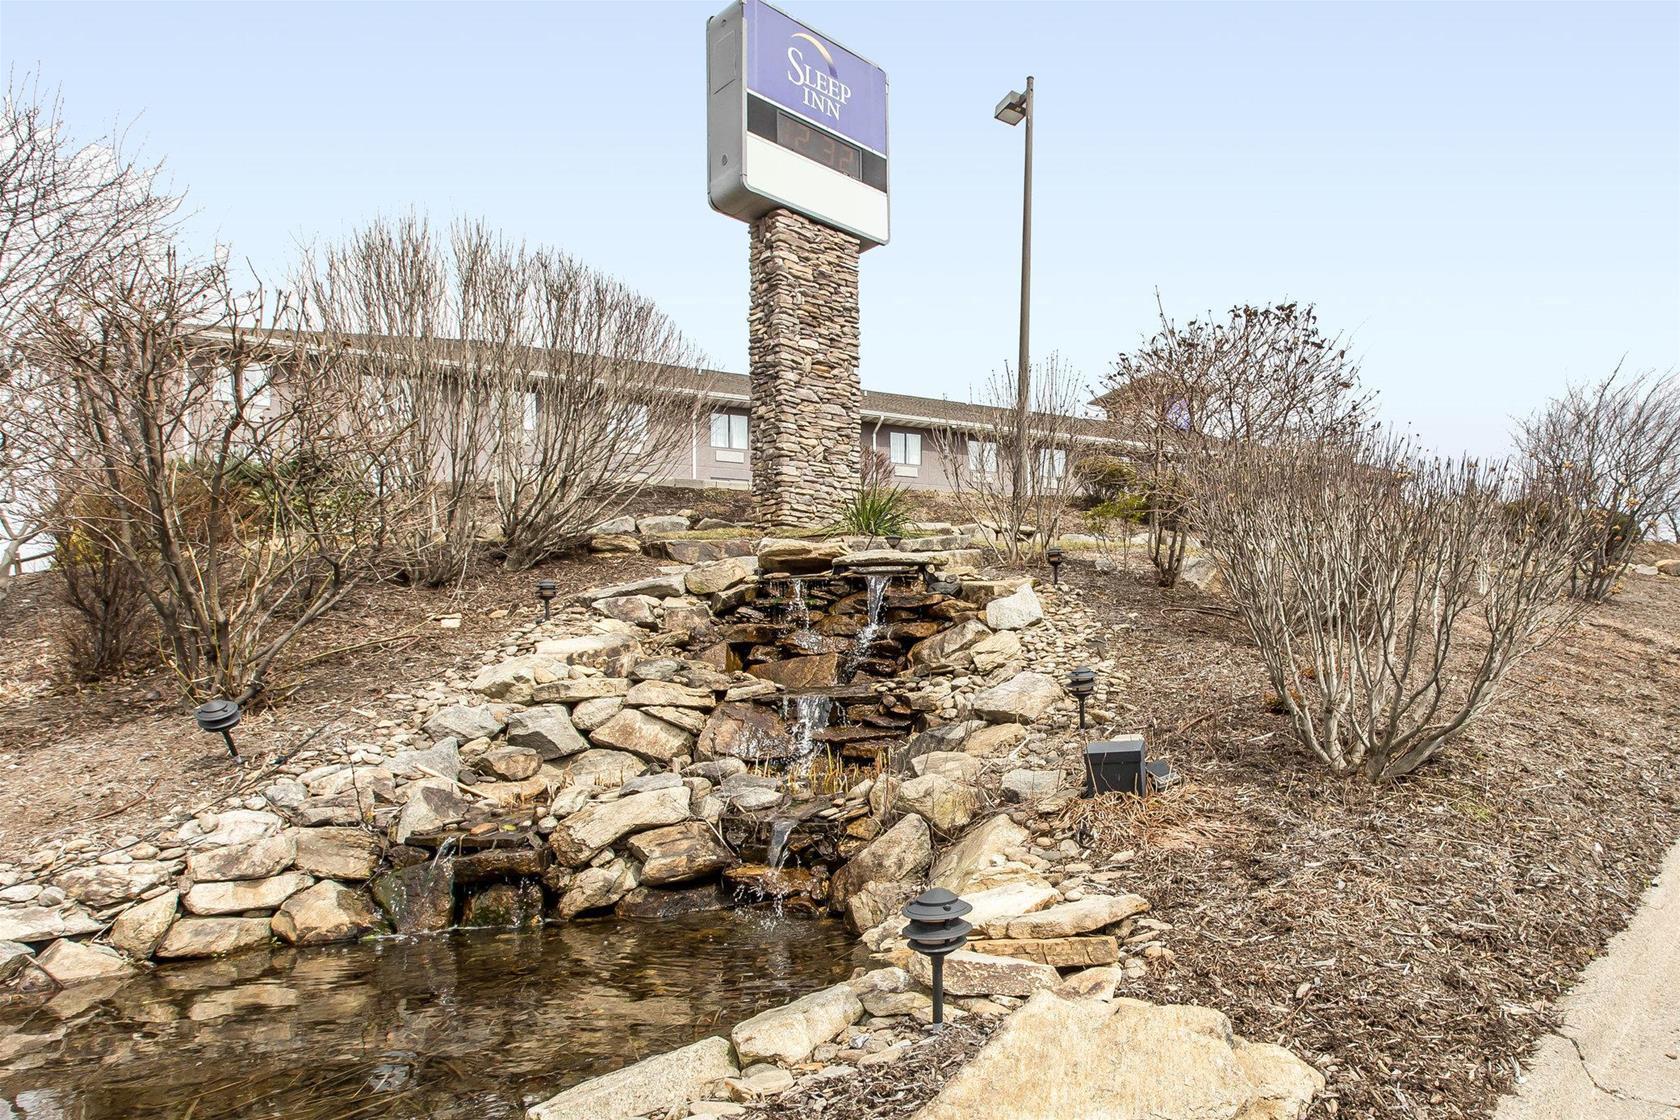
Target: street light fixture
x: 547, y: 589
x: 1012, y: 110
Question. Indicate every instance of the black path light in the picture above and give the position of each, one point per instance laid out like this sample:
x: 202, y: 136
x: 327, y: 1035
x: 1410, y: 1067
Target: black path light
x: 937, y: 929
x: 547, y: 589
x: 1082, y: 682
x: 1055, y: 556
x: 221, y: 716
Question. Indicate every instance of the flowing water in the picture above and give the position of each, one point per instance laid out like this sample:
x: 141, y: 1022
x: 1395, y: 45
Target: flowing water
x: 876, y: 587
x: 805, y: 715
x: 449, y: 1027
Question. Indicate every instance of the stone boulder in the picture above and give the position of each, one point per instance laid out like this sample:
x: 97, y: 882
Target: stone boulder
x: 1068, y: 919
x: 242, y: 895
x: 106, y: 884
x: 324, y: 913
x: 984, y: 846
x: 948, y: 649
x: 876, y: 902
x: 433, y: 804
x: 968, y: 973
x: 1028, y: 787
x: 139, y: 929
x: 615, y: 525
x: 261, y: 858
x: 1023, y: 698
x: 1124, y: 1060
x: 233, y: 827
x: 35, y: 924
x: 14, y: 958
x: 1002, y: 648
x: 740, y: 730
x: 510, y: 763
x: 720, y: 575
x: 637, y: 610
x: 1058, y: 952
x: 1016, y: 611
x: 946, y: 805
x: 516, y: 679
x: 601, y: 769
x: 798, y: 557
x: 657, y: 523
x: 615, y: 544
x: 547, y: 730
x: 212, y: 937
x: 592, y: 828
x: 645, y: 736
x: 76, y: 962
x: 799, y: 674
x: 505, y: 906
x: 463, y: 722
x: 610, y: 653
x: 679, y: 853
x: 993, y: 739
x: 658, y: 586
x: 955, y: 765
x: 658, y: 1086
x: 578, y: 689
x: 597, y: 887
x: 419, y: 898
x: 789, y: 1033
x: 590, y: 714
x: 656, y: 903
x: 902, y: 852
x: 440, y: 761
x: 337, y: 853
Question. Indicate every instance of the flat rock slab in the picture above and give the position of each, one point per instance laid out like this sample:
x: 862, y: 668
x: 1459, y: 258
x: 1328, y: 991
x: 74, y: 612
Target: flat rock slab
x: 1058, y: 1058
x: 789, y: 1033
x: 1058, y: 952
x: 968, y: 973
x: 1069, y: 919
x: 652, y: 1085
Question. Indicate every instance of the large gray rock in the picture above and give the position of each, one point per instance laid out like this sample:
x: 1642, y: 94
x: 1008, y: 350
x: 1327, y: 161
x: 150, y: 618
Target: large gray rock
x: 324, y: 913
x: 948, y: 649
x: 243, y: 895
x: 1058, y: 1057
x: 1030, y: 786
x: 601, y: 769
x: 643, y: 735
x: 75, y: 962
x: 653, y: 1086
x: 578, y: 689
x: 610, y: 653
x: 969, y: 973
x: 233, y: 827
x: 419, y: 898
x: 587, y: 831
x: 946, y: 805
x: 106, y: 884
x: 139, y: 929
x: 337, y: 853
x: 433, y: 804
x: 659, y: 586
x: 720, y: 575
x: 669, y: 694
x: 679, y: 853
x: 590, y: 714
x: 1015, y: 612
x: 1202, y: 573
x: 876, y: 901
x: 1068, y: 919
x: 637, y: 610
x: 35, y: 924
x: 547, y: 730
x: 515, y: 679
x: 258, y: 859
x: 212, y: 937
x: 654, y: 524
x: 459, y: 721
x: 1023, y: 698
x: 615, y: 526
x: 902, y: 852
x: 597, y: 887
x: 442, y: 760
x: 789, y: 1033
x: 510, y: 763
x: 984, y: 846
x: 14, y: 957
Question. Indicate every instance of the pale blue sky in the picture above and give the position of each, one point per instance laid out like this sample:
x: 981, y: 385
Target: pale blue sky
x: 1486, y: 196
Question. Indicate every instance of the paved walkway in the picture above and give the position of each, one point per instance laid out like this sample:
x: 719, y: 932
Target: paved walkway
x: 1617, y: 1054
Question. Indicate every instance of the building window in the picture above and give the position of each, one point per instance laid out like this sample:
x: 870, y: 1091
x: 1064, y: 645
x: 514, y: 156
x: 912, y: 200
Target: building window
x: 257, y: 392
x: 729, y: 431
x: 635, y: 428
x: 982, y: 457
x: 528, y: 416
x: 1052, y: 463
x: 905, y: 449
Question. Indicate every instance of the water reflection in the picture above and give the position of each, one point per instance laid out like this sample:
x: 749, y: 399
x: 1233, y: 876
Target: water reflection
x: 461, y: 1025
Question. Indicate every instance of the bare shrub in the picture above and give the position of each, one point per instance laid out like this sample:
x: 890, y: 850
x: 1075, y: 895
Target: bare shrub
x: 107, y: 601
x: 1388, y: 594
x: 234, y: 494
x: 1262, y: 375
x: 1612, y: 449
x: 1016, y: 479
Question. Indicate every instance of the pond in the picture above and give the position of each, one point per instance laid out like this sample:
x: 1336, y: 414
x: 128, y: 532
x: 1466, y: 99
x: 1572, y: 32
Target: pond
x: 461, y: 1025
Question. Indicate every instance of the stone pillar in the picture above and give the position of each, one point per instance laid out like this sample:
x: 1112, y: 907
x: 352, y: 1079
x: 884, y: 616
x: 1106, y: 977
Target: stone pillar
x: 803, y: 357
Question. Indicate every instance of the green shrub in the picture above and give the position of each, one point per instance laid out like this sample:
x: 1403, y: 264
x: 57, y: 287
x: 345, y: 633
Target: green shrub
x: 877, y: 511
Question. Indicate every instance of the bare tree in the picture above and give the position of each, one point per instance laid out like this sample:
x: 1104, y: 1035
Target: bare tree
x: 1388, y: 594
x: 235, y: 494
x: 1261, y: 375
x: 67, y: 211
x: 1613, y: 447
x: 979, y: 450
x: 604, y: 396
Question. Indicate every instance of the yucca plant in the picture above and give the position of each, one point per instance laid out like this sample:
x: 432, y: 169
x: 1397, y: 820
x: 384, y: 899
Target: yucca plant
x: 877, y: 511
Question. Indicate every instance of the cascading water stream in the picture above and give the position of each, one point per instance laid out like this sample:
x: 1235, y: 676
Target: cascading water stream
x: 775, y: 855
x: 876, y: 586
x: 809, y: 714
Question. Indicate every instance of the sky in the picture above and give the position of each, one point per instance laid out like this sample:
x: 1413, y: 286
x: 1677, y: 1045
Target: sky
x: 1484, y: 198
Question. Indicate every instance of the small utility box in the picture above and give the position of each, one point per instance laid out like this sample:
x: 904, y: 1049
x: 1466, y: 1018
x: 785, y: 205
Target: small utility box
x: 1115, y: 766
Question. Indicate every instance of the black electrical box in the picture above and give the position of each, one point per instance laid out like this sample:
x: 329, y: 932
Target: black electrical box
x: 1116, y: 765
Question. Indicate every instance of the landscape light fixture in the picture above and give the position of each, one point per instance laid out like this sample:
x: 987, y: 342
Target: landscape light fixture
x: 1082, y: 682
x: 547, y: 589
x: 1055, y: 556
x: 937, y: 929
x: 894, y: 541
x: 220, y: 716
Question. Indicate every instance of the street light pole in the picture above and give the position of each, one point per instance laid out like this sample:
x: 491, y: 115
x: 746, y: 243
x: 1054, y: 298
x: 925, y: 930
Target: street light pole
x: 1014, y: 109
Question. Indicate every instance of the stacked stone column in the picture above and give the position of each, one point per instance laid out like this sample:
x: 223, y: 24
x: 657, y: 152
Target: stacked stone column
x: 803, y: 362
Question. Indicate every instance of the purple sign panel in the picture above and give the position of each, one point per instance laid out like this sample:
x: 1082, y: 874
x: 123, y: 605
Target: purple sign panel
x: 815, y: 78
